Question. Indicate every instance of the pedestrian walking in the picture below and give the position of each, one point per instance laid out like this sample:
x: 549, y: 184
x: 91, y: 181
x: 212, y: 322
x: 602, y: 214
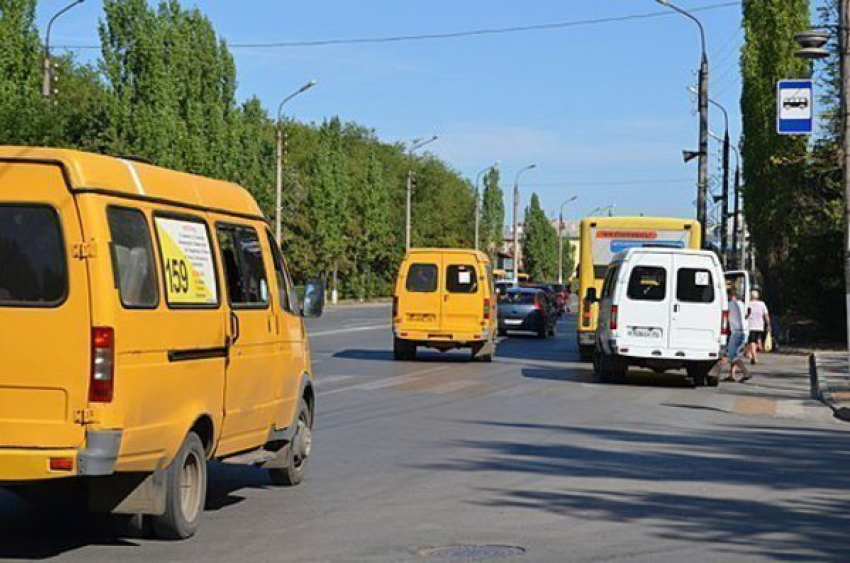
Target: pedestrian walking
x: 759, y: 325
x: 737, y: 339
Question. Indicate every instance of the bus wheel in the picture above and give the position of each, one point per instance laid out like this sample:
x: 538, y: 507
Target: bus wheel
x: 297, y: 452
x: 185, y: 493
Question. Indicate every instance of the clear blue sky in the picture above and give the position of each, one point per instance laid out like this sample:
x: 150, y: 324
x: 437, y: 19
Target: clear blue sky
x: 603, y: 110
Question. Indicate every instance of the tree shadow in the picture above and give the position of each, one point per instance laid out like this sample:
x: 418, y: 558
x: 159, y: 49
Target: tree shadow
x: 369, y: 355
x: 784, y: 468
x: 54, y: 520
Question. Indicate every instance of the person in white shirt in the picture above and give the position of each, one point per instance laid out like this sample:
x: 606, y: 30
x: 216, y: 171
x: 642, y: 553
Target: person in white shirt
x: 759, y: 325
x: 737, y: 338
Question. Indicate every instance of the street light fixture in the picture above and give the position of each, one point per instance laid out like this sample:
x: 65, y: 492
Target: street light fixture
x: 561, y: 239
x: 516, y: 222
x: 47, y: 79
x: 702, y: 174
x: 279, y: 161
x: 415, y: 145
x: 478, y: 201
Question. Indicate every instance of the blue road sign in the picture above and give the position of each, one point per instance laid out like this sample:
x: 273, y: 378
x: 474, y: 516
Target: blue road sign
x: 794, y: 107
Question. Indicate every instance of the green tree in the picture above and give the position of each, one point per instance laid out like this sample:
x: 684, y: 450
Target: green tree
x: 539, y: 243
x: 22, y: 119
x: 492, y: 213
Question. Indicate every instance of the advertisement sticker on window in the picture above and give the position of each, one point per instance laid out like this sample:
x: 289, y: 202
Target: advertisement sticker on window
x: 187, y: 262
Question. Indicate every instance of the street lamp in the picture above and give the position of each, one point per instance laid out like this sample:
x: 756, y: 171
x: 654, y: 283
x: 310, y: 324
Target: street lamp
x: 725, y: 199
x: 601, y: 209
x: 516, y: 222
x: 415, y: 145
x: 702, y: 174
x: 812, y: 43
x: 561, y: 239
x: 478, y: 200
x: 279, y: 161
x: 47, y: 80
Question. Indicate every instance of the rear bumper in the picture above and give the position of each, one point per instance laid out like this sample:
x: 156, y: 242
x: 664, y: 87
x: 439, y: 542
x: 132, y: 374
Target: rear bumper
x: 532, y: 324
x: 628, y: 350
x: 586, y: 338
x: 442, y: 339
x: 96, y: 459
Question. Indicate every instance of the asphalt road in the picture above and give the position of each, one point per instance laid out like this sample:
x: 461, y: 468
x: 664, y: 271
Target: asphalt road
x: 529, y: 451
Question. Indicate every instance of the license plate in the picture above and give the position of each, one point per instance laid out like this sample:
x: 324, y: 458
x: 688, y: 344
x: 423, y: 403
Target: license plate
x: 640, y: 332
x: 513, y: 321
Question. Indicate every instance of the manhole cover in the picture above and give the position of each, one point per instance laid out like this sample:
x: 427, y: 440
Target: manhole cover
x: 472, y: 552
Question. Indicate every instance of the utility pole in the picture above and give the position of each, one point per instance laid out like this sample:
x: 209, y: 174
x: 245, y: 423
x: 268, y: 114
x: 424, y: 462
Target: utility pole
x: 278, y: 204
x: 47, y: 65
x: 516, y: 222
x: 737, y: 210
x: 415, y: 145
x: 478, y: 202
x: 561, y: 239
x: 702, y: 173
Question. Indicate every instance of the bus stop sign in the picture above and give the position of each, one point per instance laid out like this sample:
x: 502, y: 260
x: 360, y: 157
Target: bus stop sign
x: 794, y: 107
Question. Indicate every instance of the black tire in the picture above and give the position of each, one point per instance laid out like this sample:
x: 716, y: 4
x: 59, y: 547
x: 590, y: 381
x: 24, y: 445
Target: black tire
x: 403, y: 350
x: 712, y: 381
x: 186, y: 492
x: 542, y: 332
x: 698, y: 372
x: 296, y: 452
x: 586, y: 352
x: 552, y: 331
x: 619, y: 369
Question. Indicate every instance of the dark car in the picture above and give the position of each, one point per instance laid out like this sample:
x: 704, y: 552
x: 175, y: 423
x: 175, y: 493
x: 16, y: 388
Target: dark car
x: 553, y: 295
x: 527, y: 309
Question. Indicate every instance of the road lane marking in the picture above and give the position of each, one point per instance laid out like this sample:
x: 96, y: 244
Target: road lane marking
x: 347, y: 330
x: 388, y: 381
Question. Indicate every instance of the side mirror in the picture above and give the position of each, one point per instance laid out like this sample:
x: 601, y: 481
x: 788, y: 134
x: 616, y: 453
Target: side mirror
x: 314, y: 299
x: 591, y: 295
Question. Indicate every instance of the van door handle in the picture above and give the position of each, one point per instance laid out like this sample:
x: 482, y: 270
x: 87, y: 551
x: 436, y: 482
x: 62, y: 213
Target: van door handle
x: 676, y: 308
x: 234, y: 328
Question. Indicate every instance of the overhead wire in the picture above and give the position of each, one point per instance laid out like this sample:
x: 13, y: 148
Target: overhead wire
x: 451, y: 34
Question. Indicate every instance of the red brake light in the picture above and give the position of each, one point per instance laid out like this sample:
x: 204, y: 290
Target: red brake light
x: 486, y: 309
x: 61, y: 464
x: 537, y: 304
x: 612, y: 322
x: 102, y: 383
x: 724, y: 324
x: 395, y: 306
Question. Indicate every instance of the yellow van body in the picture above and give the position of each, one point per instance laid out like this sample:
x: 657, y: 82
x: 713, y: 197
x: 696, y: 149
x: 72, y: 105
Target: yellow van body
x: 444, y: 299
x: 191, y: 346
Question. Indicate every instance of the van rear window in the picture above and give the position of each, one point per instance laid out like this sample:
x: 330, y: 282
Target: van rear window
x: 33, y: 271
x: 694, y: 286
x: 461, y: 279
x: 648, y: 283
x: 421, y: 278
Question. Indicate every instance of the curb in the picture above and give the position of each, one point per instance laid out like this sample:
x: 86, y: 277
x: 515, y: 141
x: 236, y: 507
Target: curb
x: 352, y: 303
x: 820, y: 390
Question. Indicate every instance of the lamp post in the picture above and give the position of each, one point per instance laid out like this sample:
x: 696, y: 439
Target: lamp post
x: 702, y: 174
x: 561, y: 239
x: 812, y: 43
x: 415, y: 145
x: 278, y: 205
x: 601, y: 209
x: 516, y: 222
x: 478, y: 201
x: 47, y: 78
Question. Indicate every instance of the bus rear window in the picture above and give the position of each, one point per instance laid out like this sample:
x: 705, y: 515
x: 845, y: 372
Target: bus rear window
x: 422, y: 278
x: 33, y: 272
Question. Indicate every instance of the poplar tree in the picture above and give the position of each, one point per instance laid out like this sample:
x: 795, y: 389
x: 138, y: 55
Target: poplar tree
x: 539, y: 243
x: 492, y: 213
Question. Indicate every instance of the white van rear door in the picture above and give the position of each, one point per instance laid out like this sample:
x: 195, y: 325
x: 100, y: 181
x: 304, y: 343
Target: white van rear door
x: 643, y: 315
x: 697, y: 304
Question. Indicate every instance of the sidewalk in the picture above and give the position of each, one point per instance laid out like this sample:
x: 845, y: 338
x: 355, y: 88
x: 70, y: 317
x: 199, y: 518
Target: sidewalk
x: 780, y: 388
x: 833, y: 378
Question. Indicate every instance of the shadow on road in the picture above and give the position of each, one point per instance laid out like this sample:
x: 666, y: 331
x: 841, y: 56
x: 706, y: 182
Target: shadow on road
x: 803, y: 511
x: 56, y: 521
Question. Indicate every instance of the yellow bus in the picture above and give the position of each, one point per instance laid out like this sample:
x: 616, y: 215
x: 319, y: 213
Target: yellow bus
x: 601, y: 238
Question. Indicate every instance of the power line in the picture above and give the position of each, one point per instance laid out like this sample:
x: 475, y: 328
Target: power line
x: 606, y: 184
x: 452, y: 34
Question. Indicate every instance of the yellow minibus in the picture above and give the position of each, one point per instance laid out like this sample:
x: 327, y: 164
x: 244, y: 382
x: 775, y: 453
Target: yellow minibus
x: 148, y: 324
